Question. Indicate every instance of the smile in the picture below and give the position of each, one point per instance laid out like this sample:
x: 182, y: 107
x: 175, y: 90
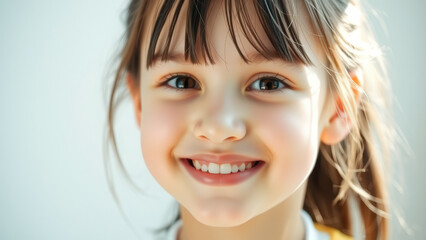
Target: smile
x: 224, y: 168
x: 224, y: 174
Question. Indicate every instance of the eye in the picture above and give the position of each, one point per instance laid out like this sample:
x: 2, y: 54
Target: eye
x: 269, y: 84
x: 181, y: 82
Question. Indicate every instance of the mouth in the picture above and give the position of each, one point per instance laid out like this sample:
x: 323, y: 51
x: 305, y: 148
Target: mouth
x: 224, y: 168
x: 223, y: 174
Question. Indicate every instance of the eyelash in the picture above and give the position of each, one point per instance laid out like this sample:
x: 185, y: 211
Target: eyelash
x: 275, y: 77
x: 177, y: 76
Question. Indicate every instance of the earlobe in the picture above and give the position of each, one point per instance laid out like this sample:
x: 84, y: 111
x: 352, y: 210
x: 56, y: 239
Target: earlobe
x: 337, y: 129
x: 339, y: 124
x: 135, y: 94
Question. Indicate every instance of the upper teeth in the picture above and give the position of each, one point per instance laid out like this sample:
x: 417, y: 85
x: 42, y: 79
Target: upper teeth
x: 221, y: 168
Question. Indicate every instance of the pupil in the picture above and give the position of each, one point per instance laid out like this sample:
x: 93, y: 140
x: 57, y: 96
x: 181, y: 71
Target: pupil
x: 185, y: 83
x: 268, y: 84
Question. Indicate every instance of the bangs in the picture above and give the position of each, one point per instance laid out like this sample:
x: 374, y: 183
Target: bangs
x: 273, y: 16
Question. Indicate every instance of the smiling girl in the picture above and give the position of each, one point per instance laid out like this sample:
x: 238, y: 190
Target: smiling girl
x: 262, y: 118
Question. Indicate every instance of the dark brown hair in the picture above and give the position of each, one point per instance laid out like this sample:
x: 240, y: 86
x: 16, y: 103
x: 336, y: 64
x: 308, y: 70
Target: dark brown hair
x: 351, y: 168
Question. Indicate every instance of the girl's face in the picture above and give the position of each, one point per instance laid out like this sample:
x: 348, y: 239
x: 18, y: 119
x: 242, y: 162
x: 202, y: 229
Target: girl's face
x: 269, y: 110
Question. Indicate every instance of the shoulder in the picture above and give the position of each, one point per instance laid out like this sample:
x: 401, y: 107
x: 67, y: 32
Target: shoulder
x: 332, y: 232
x: 172, y: 233
x: 315, y: 231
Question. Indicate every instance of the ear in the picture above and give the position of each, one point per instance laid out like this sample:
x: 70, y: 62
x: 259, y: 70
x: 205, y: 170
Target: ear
x: 136, y: 97
x: 339, y: 124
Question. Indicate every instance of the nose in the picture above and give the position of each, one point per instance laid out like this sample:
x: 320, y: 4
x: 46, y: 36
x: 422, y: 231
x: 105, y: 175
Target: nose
x: 221, y: 122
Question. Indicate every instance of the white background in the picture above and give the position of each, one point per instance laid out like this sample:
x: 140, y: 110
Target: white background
x: 54, y: 62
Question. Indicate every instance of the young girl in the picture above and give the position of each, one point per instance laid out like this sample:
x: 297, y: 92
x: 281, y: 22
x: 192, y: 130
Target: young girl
x: 264, y: 119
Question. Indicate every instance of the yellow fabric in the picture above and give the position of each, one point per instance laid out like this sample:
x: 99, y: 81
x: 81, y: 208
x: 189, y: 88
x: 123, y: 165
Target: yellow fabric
x: 333, y: 233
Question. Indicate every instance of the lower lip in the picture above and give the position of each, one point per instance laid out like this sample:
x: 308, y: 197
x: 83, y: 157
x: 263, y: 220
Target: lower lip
x: 221, y: 179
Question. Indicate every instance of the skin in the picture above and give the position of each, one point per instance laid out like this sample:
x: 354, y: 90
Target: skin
x: 282, y: 128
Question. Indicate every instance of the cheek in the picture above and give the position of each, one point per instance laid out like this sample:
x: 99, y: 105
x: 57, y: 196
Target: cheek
x: 161, y: 127
x: 291, y: 135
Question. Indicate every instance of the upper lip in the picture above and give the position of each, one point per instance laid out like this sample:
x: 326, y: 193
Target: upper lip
x: 222, y: 158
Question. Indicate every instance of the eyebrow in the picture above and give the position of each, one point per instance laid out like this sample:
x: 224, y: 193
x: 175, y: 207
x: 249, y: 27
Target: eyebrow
x: 253, y: 58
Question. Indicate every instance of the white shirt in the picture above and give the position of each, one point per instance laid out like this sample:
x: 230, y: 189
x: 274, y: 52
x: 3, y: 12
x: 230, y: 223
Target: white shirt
x: 311, y: 232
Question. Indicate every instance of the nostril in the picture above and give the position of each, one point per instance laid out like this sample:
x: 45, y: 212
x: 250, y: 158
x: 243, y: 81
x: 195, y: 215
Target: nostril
x: 218, y: 130
x: 202, y: 137
x: 231, y: 139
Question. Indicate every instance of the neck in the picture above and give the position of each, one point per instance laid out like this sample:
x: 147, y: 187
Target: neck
x: 281, y: 222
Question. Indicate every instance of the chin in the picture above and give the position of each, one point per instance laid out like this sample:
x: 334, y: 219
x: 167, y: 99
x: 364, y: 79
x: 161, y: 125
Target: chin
x: 221, y: 217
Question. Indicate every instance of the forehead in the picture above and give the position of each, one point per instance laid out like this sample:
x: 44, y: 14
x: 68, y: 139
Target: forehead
x: 217, y: 31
